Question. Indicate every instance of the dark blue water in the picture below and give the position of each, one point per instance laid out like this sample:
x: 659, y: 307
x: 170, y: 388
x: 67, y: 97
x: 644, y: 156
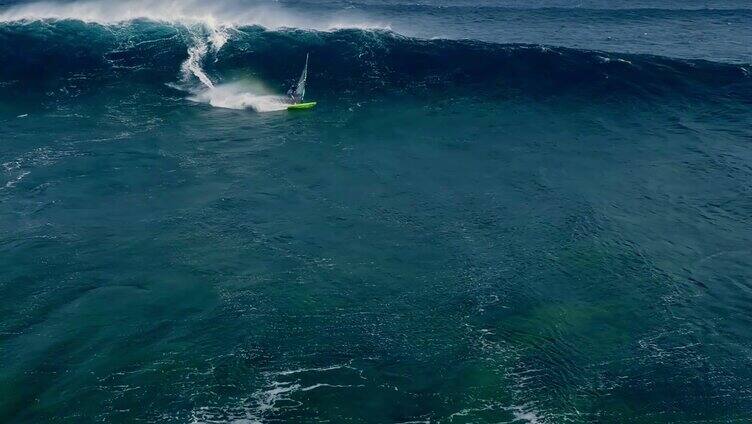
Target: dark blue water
x: 499, y: 211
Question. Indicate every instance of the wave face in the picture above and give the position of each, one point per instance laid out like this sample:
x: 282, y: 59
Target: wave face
x: 194, y: 55
x: 715, y: 30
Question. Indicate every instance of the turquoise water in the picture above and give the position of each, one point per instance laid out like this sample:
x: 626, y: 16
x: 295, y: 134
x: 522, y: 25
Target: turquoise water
x: 460, y: 232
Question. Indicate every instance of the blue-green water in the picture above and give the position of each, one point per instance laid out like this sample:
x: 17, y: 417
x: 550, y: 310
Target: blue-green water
x: 461, y: 231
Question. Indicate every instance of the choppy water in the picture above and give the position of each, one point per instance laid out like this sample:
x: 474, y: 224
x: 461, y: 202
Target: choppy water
x: 529, y: 212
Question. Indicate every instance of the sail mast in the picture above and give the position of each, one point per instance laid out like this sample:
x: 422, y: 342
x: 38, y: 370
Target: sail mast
x: 300, y: 90
x: 297, y: 92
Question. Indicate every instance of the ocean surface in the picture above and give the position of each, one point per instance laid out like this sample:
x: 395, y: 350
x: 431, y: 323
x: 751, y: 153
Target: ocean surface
x: 499, y: 212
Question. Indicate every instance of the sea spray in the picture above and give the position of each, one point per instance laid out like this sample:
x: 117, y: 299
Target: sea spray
x: 209, y: 38
x: 217, y: 13
x: 239, y: 95
x: 192, y: 65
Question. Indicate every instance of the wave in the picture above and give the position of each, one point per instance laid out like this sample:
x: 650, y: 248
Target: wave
x: 234, y: 59
x: 625, y: 10
x: 560, y: 4
x: 210, y: 14
x: 124, y: 32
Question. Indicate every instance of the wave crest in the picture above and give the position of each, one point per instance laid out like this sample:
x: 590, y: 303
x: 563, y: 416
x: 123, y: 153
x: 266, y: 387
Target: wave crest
x: 202, y: 58
x: 214, y: 14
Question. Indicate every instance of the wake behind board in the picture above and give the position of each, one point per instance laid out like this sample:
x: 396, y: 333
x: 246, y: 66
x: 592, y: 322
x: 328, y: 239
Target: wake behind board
x: 301, y: 106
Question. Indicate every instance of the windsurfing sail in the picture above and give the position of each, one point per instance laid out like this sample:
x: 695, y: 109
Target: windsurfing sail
x: 298, y: 92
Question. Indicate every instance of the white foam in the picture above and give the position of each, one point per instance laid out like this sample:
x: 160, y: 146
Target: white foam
x: 316, y: 369
x: 526, y: 416
x: 192, y: 65
x: 19, y: 177
x: 240, y: 95
x: 214, y: 14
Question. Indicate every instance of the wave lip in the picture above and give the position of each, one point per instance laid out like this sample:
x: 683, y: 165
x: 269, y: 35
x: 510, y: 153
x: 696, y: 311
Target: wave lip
x: 221, y: 13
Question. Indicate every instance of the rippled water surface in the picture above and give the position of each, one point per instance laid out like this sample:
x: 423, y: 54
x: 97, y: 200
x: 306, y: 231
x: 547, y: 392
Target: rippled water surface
x: 528, y: 212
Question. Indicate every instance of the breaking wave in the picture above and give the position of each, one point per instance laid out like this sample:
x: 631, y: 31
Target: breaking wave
x: 221, y: 13
x: 245, y: 57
